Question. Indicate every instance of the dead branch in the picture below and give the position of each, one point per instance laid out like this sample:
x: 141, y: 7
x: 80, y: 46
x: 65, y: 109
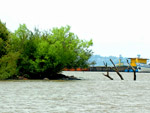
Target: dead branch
x: 107, y: 75
x: 116, y: 70
x: 134, y: 70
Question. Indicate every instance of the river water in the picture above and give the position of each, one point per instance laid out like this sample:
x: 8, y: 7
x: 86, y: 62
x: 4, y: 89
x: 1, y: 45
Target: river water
x: 95, y: 93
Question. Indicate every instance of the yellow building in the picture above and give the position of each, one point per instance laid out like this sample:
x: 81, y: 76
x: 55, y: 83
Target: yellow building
x: 137, y: 60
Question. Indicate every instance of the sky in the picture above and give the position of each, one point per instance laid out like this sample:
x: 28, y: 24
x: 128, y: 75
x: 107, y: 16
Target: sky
x: 115, y: 26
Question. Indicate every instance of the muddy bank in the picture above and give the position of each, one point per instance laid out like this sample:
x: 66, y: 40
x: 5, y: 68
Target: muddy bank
x: 56, y: 77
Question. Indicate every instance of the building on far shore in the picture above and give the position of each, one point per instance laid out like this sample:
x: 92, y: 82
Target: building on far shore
x: 134, y: 61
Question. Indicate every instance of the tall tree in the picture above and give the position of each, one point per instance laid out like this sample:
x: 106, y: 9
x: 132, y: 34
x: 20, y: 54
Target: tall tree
x: 44, y: 54
x: 4, y: 37
x: 8, y: 67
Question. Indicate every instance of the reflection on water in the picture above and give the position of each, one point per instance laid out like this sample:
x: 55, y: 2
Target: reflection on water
x: 93, y: 94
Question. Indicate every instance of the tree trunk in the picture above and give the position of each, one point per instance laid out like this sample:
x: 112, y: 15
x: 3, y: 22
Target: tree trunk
x: 134, y: 70
x: 107, y: 75
x: 116, y: 70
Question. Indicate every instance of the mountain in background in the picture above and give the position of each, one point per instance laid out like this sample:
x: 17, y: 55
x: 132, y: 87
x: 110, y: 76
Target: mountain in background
x: 100, y: 59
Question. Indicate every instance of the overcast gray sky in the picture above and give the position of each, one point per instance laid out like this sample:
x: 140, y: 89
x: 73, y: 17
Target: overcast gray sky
x: 115, y: 26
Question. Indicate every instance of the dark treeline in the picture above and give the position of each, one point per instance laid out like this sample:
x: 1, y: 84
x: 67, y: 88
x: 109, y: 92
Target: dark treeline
x: 40, y: 54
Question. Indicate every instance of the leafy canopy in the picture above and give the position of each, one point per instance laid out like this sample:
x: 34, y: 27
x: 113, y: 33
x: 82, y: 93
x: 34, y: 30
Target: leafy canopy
x: 4, y: 37
x: 42, y: 54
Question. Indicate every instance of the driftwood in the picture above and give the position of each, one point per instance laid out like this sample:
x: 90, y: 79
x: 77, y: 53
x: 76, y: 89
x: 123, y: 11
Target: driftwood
x: 116, y: 70
x: 107, y: 75
x: 134, y: 70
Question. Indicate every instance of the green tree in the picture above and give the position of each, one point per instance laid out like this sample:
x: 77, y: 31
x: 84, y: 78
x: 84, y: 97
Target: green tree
x: 24, y: 42
x: 4, y: 37
x: 44, y: 54
x: 8, y: 67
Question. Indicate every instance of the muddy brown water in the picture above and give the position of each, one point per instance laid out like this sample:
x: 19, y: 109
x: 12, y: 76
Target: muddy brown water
x: 93, y: 94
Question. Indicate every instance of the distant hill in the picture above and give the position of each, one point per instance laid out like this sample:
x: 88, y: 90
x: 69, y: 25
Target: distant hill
x: 99, y: 60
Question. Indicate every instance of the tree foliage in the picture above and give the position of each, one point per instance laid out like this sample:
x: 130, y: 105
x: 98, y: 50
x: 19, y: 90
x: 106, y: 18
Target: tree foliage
x: 4, y: 37
x: 44, y: 54
x: 8, y: 67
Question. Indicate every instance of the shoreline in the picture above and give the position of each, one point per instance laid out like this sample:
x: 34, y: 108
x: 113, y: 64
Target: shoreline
x: 57, y: 77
